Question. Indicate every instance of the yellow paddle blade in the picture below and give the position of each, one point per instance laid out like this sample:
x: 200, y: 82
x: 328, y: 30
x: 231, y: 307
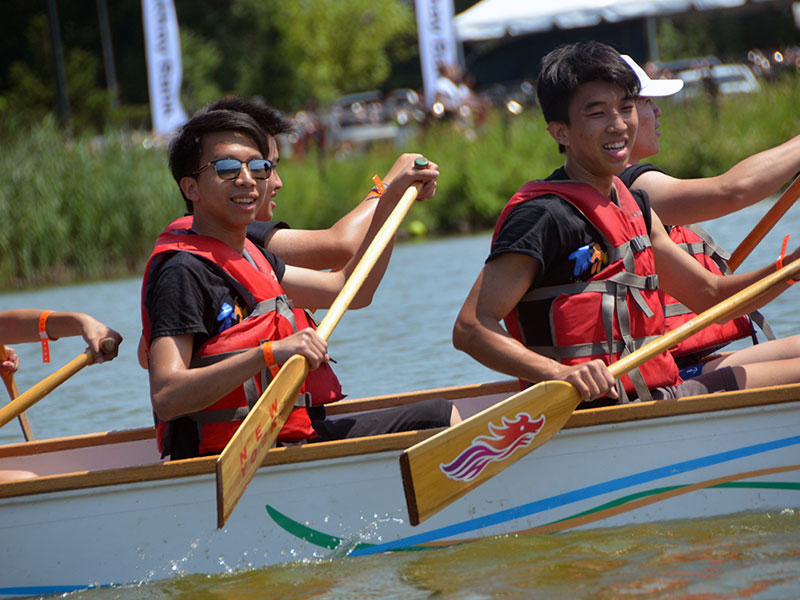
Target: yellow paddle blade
x: 446, y: 466
x: 245, y: 452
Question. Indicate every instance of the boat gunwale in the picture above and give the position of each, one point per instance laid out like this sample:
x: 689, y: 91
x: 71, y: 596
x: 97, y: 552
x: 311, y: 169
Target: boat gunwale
x: 358, y: 446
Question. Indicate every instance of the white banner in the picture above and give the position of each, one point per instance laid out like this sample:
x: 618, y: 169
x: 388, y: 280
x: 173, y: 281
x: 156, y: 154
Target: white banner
x: 437, y: 42
x: 163, y: 51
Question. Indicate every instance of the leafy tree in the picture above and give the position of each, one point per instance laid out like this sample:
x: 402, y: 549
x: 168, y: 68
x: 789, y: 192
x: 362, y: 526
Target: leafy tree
x: 200, y: 59
x: 690, y: 40
x: 32, y: 91
x: 335, y: 47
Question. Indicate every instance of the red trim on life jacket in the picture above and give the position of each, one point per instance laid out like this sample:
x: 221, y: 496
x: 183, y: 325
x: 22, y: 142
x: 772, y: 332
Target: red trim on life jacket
x: 321, y: 384
x: 714, y: 336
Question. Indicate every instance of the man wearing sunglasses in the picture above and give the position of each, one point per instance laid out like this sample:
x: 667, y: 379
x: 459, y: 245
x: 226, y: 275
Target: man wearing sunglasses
x: 329, y: 248
x: 320, y: 249
x: 216, y: 315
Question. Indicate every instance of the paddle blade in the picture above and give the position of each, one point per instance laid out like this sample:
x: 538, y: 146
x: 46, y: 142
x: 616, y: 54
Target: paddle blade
x: 446, y: 466
x: 245, y: 451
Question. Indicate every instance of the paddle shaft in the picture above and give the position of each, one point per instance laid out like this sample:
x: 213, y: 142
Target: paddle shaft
x: 714, y: 314
x: 429, y: 489
x: 52, y: 381
x: 764, y: 226
x: 244, y: 453
x: 13, y: 392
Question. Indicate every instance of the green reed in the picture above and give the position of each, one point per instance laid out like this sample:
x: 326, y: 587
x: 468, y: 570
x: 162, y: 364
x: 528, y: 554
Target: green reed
x: 74, y: 209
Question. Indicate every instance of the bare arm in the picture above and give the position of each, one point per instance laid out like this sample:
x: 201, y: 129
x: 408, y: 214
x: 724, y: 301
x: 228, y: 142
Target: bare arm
x: 683, y: 277
x: 316, y: 289
x: 176, y: 390
x: 478, y: 331
x: 683, y: 201
x: 331, y: 248
x: 22, y: 325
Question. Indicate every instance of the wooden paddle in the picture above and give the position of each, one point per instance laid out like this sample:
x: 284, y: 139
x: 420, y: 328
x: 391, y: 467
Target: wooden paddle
x: 764, y: 226
x: 245, y: 451
x: 13, y: 392
x: 48, y: 384
x: 529, y: 419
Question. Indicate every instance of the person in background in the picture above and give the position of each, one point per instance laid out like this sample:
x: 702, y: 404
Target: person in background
x: 581, y: 243
x: 680, y: 203
x: 685, y: 201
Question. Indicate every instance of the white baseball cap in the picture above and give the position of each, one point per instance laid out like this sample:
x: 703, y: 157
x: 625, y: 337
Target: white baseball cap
x: 653, y: 88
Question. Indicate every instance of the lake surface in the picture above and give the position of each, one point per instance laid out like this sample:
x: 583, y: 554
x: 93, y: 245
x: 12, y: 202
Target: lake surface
x: 401, y: 343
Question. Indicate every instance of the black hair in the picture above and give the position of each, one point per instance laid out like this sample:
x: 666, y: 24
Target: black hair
x: 569, y: 66
x: 268, y: 118
x: 186, y: 148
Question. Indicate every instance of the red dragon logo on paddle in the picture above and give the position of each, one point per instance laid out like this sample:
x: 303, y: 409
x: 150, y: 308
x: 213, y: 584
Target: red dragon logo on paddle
x: 513, y: 434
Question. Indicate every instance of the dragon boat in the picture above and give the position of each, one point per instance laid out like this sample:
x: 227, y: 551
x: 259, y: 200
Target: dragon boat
x: 105, y: 510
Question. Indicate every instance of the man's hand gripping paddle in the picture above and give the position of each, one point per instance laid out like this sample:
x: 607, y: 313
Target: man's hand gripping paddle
x: 24, y: 401
x: 245, y: 451
x: 441, y: 469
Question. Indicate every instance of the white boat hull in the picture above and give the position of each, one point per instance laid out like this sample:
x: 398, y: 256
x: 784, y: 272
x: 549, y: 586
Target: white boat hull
x: 602, y: 475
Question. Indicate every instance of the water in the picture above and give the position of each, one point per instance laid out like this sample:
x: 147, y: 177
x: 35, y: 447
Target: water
x: 401, y: 343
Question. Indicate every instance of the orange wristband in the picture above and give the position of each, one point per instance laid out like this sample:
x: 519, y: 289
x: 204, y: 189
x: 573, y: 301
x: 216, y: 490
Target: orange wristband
x: 781, y: 256
x: 43, y: 335
x: 269, y: 358
x: 378, y: 188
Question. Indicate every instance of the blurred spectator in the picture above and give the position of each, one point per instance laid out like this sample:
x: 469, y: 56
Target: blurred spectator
x: 452, y: 92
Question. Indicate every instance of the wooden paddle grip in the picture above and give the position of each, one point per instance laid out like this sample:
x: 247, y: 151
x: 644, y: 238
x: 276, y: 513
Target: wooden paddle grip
x: 44, y: 387
x: 107, y: 346
x: 766, y: 223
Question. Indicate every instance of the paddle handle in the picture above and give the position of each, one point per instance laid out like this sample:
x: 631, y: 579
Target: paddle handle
x: 245, y: 451
x: 13, y: 392
x: 52, y: 381
x: 764, y: 226
x: 714, y: 314
x: 368, y: 260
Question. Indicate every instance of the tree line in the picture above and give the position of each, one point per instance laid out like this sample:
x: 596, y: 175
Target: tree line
x: 291, y: 53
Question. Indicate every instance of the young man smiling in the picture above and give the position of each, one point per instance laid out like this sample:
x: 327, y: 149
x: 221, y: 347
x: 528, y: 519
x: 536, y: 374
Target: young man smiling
x: 577, y: 259
x: 329, y: 248
x: 320, y: 249
x: 215, y: 308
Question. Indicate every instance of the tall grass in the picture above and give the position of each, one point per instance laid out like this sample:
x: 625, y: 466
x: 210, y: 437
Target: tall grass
x: 78, y: 209
x: 72, y: 209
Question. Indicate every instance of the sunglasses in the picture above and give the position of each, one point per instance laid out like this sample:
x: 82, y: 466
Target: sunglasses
x: 229, y: 168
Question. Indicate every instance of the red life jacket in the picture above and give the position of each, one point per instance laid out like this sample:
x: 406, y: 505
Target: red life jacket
x: 272, y: 317
x: 619, y: 308
x: 698, y: 243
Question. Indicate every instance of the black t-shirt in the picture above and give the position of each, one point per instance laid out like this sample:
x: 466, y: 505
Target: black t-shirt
x: 258, y: 230
x: 556, y: 234
x: 552, y: 231
x: 633, y: 172
x: 187, y: 294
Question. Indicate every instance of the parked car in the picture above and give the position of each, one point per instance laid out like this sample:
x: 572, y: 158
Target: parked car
x: 358, y: 119
x: 726, y: 79
x: 405, y: 106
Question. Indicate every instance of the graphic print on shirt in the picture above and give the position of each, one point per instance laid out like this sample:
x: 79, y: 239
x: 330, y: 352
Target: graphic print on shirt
x: 590, y: 256
x: 229, y: 316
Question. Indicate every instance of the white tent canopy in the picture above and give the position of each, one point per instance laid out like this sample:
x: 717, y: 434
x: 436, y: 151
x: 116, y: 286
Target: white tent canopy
x: 491, y: 19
